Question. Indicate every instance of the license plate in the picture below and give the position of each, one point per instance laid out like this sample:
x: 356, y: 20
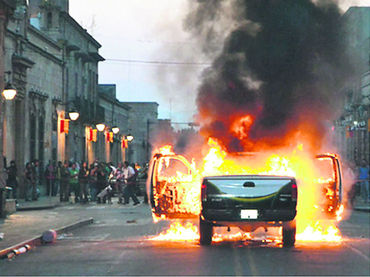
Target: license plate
x: 248, y: 214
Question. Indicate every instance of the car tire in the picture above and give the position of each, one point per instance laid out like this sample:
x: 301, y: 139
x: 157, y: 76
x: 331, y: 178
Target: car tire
x: 205, y: 232
x: 289, y: 231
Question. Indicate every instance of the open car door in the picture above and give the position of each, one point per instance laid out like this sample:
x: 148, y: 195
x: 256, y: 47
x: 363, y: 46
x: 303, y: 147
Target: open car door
x: 174, y: 189
x: 331, y: 183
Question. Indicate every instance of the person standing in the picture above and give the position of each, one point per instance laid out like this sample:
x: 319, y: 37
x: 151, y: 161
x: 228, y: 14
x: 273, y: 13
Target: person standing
x: 73, y: 181
x: 129, y: 180
x: 50, y: 177
x: 83, y: 175
x: 58, y: 170
x: 28, y: 177
x: 64, y: 183
x: 93, y: 179
x: 37, y: 179
x: 12, y: 178
x: 363, y: 178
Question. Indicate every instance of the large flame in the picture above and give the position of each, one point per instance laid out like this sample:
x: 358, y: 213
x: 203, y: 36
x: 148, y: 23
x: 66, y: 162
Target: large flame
x: 292, y: 161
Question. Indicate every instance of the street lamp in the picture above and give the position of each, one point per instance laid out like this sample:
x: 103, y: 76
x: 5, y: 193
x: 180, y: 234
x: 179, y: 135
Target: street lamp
x: 115, y: 130
x: 9, y: 91
x: 129, y: 137
x: 100, y: 127
x: 73, y: 115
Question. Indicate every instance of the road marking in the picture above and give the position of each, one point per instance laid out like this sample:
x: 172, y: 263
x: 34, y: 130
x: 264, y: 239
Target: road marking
x: 237, y: 265
x: 357, y: 251
x: 117, y: 261
x: 252, y: 263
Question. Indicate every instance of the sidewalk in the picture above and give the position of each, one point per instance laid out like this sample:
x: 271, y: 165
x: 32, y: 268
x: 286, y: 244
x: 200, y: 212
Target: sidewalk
x: 43, y: 202
x: 361, y: 205
x: 33, y: 218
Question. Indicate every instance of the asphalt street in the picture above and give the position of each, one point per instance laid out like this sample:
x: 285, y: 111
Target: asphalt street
x: 118, y: 243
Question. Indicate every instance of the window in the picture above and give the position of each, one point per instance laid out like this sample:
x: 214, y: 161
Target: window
x: 49, y: 21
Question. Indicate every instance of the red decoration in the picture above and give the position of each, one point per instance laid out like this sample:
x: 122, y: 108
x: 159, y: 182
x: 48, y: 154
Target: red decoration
x: 124, y: 143
x: 95, y: 135
x: 64, y: 126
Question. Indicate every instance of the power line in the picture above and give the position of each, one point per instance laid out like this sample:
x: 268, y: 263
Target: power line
x: 160, y: 62
x: 154, y: 62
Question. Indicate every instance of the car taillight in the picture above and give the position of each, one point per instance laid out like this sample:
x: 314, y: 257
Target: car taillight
x: 294, y: 191
x: 203, y: 193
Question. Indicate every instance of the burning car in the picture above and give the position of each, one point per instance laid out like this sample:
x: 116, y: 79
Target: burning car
x: 243, y: 199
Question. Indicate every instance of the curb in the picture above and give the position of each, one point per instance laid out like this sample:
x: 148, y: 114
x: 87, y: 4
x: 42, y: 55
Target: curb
x: 38, y: 239
x: 19, y: 208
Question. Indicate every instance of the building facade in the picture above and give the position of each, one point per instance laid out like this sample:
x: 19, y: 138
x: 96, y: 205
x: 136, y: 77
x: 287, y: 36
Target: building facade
x: 116, y: 114
x: 80, y: 55
x: 143, y: 119
x: 353, y: 127
x: 54, y: 66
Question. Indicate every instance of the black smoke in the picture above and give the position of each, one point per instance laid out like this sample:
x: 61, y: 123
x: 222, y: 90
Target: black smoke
x: 284, y: 63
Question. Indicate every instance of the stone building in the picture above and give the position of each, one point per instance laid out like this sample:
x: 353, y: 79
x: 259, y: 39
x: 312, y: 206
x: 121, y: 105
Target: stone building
x: 116, y: 114
x: 143, y: 119
x: 352, y: 128
x: 79, y: 52
x: 36, y: 67
x: 54, y: 66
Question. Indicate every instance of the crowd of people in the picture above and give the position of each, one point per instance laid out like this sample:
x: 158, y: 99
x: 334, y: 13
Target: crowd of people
x: 78, y: 182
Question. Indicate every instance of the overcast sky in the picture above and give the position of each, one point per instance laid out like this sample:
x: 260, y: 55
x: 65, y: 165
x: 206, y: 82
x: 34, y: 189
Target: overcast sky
x: 138, y: 40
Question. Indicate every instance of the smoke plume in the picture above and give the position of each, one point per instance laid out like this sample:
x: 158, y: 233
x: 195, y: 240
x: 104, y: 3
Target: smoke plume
x: 279, y: 74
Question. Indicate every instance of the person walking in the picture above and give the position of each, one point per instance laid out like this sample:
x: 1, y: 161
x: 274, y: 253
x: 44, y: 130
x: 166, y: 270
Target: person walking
x: 73, y: 182
x: 130, y: 181
x: 64, y: 183
x: 12, y: 179
x: 101, y: 181
x: 83, y: 175
x: 50, y: 177
x: 118, y: 174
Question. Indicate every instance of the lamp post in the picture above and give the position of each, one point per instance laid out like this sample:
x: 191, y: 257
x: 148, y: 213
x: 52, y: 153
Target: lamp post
x: 100, y: 127
x: 74, y: 115
x: 115, y: 130
x: 9, y: 91
x: 130, y: 137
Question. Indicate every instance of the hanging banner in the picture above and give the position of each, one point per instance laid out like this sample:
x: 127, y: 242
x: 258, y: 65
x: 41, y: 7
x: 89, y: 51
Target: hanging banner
x: 124, y: 143
x: 90, y: 134
x: 107, y: 134
x: 110, y: 136
x: 94, y: 135
x: 64, y: 126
